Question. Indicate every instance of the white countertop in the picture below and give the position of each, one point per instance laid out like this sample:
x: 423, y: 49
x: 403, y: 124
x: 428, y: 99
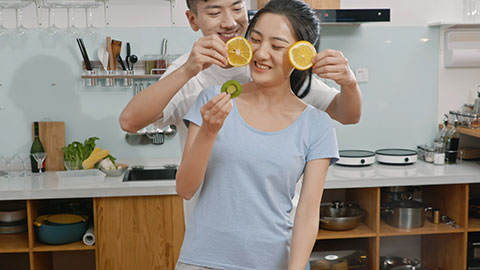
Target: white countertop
x: 49, y: 186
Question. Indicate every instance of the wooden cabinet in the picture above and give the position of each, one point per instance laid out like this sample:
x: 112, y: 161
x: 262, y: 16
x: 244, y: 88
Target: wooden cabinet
x: 131, y: 233
x: 139, y: 232
x: 436, y: 240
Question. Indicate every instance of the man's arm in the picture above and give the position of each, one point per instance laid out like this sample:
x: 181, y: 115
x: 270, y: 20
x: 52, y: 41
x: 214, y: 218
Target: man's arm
x: 148, y: 105
x: 346, y: 106
x: 305, y: 228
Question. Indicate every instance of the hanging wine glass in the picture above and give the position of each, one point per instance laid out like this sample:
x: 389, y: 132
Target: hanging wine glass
x: 72, y: 32
x: 4, y: 32
x: 52, y: 35
x: 20, y: 36
x: 39, y: 158
x: 92, y: 36
x: 25, y: 158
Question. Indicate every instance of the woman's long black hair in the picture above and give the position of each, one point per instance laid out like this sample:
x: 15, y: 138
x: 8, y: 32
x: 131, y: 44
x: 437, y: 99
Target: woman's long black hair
x: 306, y: 25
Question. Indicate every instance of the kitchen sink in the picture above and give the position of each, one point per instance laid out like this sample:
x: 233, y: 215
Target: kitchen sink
x: 150, y: 174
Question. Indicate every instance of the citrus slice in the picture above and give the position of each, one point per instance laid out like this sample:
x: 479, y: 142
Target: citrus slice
x: 239, y: 51
x: 233, y: 88
x: 301, y: 54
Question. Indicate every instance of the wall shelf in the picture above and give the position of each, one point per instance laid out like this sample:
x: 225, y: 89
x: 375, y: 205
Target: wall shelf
x: 469, y: 131
x: 449, y: 24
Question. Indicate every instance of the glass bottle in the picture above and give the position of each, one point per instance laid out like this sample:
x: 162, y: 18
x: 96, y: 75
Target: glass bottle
x: 440, y: 139
x: 476, y: 104
x: 452, y: 140
x: 36, y: 147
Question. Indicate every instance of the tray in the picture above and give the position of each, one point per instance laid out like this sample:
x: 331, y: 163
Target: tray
x: 80, y: 176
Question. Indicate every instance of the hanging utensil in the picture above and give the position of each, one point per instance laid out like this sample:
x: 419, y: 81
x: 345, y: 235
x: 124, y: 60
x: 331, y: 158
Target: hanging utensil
x: 103, y: 57
x: 84, y: 53
x: 127, y: 57
x: 120, y: 61
x: 116, y: 49
x: 133, y: 59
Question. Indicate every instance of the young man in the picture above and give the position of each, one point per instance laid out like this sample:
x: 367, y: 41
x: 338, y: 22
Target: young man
x: 168, y: 100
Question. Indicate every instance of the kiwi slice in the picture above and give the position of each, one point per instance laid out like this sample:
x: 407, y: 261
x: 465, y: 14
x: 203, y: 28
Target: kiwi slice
x: 233, y: 88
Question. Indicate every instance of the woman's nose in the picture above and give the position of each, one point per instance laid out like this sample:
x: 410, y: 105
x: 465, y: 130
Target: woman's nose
x: 261, y: 52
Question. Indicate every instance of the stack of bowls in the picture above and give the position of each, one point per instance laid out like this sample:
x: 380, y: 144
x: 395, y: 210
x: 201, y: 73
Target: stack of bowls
x: 13, y: 217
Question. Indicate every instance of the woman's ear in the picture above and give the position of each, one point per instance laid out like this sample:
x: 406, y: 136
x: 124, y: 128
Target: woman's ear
x: 192, y: 19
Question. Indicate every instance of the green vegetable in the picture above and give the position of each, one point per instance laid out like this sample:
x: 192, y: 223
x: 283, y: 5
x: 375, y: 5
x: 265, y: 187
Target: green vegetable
x: 76, y: 152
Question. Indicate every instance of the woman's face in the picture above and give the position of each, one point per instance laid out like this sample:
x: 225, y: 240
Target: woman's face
x: 270, y: 38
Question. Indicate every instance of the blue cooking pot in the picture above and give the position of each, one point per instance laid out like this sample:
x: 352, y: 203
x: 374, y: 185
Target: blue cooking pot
x: 55, y: 230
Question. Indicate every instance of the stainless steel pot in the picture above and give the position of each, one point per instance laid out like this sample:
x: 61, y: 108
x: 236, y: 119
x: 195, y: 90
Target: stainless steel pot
x: 339, y: 216
x: 393, y: 262
x: 405, y: 214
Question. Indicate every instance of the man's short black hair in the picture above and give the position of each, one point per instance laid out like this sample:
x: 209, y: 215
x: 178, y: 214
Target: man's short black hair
x: 192, y: 4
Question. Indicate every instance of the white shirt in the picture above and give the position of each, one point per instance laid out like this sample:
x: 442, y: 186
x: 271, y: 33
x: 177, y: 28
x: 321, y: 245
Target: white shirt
x: 320, y: 96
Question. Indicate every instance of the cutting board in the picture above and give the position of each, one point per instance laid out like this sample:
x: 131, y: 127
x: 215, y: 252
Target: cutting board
x: 317, y: 4
x: 52, y: 136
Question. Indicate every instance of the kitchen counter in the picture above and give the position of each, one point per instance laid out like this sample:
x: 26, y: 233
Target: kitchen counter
x: 49, y: 186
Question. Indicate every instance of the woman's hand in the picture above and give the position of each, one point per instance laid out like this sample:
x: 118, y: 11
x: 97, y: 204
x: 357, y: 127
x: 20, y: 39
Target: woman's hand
x: 206, y: 51
x: 215, y: 111
x: 331, y: 64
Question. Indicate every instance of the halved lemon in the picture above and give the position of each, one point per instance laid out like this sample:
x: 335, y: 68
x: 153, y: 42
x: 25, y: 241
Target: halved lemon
x: 239, y: 51
x: 301, y: 54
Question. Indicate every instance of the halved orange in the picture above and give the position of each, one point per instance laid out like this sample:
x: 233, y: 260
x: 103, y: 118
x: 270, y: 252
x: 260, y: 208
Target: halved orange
x: 301, y: 54
x: 239, y: 51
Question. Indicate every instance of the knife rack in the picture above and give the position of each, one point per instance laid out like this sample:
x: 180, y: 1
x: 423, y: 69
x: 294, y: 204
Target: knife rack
x: 100, y: 78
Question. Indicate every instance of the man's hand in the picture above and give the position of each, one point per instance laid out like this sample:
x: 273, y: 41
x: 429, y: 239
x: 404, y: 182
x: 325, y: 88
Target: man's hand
x: 331, y: 64
x: 215, y: 111
x: 205, y: 52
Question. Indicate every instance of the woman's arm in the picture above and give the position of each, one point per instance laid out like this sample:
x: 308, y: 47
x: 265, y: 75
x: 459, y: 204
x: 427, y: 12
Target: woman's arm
x: 199, y: 145
x: 305, y: 227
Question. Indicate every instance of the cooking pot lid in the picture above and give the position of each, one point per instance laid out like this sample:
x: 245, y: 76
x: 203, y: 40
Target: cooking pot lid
x: 65, y: 219
x: 356, y: 153
x: 395, y: 152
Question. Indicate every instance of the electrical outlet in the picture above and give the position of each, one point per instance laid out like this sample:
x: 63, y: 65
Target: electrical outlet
x: 361, y: 74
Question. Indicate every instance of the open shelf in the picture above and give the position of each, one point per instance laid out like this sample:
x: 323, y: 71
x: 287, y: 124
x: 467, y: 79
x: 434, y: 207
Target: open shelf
x: 469, y: 131
x: 428, y: 228
x: 454, y: 23
x: 79, y: 245
x: 12, y: 243
x: 473, y: 224
x: 362, y: 231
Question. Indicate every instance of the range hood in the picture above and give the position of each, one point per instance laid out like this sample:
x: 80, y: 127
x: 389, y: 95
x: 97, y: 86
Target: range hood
x: 348, y: 15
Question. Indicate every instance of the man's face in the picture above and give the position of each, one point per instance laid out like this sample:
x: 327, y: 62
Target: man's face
x: 225, y: 18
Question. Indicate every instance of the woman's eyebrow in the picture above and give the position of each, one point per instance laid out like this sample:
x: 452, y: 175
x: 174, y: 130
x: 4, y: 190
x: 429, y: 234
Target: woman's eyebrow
x: 256, y: 32
x: 281, y: 39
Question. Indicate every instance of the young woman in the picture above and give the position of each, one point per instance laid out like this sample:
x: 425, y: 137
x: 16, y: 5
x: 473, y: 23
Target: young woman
x: 250, y: 152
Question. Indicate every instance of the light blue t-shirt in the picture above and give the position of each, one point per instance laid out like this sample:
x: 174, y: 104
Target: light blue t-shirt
x: 241, y: 219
